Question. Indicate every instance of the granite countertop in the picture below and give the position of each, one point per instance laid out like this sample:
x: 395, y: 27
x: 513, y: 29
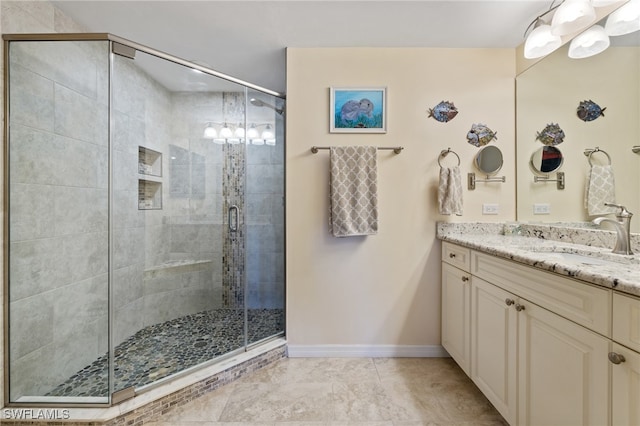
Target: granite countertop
x: 536, y: 247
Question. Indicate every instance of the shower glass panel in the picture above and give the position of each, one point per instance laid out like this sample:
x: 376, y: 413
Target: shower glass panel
x: 178, y: 270
x: 264, y: 200
x: 140, y: 246
x: 58, y: 179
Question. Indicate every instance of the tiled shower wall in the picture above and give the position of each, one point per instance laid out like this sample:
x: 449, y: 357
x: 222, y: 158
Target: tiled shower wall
x: 58, y: 205
x: 265, y: 223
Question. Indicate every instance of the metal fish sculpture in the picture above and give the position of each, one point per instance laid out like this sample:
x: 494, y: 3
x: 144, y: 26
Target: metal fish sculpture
x: 480, y: 135
x: 589, y: 110
x: 552, y: 135
x: 444, y: 111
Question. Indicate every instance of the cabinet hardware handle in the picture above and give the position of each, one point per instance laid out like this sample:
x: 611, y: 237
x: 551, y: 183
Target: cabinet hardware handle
x: 519, y: 307
x: 452, y: 255
x: 616, y: 358
x: 465, y: 279
x: 509, y: 302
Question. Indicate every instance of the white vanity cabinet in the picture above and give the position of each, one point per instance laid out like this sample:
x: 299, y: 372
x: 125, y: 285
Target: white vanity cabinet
x: 539, y: 343
x: 494, y: 331
x: 456, y: 309
x: 625, y: 361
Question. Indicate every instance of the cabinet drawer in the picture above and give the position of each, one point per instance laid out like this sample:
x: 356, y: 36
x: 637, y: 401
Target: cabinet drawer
x: 626, y: 321
x: 456, y: 255
x: 585, y: 304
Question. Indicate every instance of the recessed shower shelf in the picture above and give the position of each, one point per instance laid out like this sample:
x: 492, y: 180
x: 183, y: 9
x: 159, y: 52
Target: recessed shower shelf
x: 149, y: 195
x: 149, y: 162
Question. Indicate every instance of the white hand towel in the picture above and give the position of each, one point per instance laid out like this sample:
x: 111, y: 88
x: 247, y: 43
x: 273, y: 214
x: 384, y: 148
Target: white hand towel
x: 450, y: 191
x: 354, y: 191
x: 600, y: 189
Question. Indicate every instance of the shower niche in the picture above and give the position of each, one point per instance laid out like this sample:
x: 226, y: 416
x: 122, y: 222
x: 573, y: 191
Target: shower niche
x: 138, y: 248
x: 150, y: 184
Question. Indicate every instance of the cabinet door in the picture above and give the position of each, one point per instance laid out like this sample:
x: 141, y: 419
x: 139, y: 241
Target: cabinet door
x: 456, y: 314
x: 563, y: 373
x: 625, y: 395
x: 493, y: 347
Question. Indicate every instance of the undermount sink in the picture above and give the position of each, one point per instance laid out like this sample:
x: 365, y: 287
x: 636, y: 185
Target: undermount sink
x: 582, y: 256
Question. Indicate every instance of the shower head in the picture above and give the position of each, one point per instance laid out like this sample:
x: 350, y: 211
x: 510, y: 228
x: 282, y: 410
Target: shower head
x: 261, y: 103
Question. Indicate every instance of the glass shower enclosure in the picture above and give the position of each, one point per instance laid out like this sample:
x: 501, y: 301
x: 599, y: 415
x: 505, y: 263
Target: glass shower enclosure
x: 144, y: 234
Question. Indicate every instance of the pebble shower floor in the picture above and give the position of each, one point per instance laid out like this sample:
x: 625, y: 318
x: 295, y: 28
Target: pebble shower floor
x: 163, y: 349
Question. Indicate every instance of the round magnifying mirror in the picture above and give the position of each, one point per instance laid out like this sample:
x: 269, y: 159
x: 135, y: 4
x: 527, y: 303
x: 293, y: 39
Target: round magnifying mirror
x: 489, y: 160
x: 547, y: 159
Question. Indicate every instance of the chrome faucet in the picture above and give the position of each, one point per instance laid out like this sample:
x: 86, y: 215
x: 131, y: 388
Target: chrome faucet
x: 622, y: 225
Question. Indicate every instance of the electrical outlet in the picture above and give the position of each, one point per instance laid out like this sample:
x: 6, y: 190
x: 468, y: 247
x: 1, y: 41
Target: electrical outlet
x: 541, y: 208
x: 490, y: 208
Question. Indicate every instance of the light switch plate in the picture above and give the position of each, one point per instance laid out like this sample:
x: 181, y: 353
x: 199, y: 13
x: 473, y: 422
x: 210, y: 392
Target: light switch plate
x: 490, y: 208
x: 541, y: 208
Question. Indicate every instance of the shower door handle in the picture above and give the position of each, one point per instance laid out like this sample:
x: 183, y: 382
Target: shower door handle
x: 233, y: 218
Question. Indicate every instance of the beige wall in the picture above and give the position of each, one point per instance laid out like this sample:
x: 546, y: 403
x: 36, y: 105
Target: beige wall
x: 385, y: 289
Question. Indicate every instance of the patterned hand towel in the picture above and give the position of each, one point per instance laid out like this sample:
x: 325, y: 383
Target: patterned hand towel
x: 600, y: 189
x: 354, y: 191
x: 450, y: 191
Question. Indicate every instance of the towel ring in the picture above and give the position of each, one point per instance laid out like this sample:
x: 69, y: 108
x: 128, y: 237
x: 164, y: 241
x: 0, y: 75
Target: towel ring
x: 446, y: 152
x: 590, y: 152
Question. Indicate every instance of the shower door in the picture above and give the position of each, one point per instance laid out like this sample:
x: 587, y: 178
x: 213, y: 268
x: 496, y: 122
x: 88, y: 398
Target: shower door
x: 198, y: 219
x: 146, y: 219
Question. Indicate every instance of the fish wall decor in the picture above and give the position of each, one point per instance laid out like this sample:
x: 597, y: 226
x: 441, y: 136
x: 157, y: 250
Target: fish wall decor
x: 551, y: 135
x: 480, y: 135
x: 444, y: 111
x: 589, y: 110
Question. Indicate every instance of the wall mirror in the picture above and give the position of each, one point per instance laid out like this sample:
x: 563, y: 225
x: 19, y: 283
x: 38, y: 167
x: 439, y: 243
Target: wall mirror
x: 489, y: 160
x: 545, y: 160
x: 550, y: 91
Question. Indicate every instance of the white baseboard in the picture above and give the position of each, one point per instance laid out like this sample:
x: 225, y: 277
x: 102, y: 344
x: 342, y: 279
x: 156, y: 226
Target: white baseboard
x: 366, y: 351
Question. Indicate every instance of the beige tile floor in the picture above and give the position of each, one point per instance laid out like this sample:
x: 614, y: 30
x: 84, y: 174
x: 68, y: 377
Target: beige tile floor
x: 343, y: 391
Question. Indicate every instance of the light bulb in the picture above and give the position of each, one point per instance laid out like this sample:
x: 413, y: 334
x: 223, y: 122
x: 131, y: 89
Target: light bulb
x: 210, y: 132
x: 624, y: 20
x: 252, y: 132
x: 589, y: 43
x: 572, y: 16
x: 225, y: 132
x: 541, y: 42
x: 267, y: 133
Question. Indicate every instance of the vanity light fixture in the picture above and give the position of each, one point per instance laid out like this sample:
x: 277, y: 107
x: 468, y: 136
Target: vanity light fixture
x: 589, y: 43
x: 624, y: 20
x: 221, y: 133
x: 572, y: 16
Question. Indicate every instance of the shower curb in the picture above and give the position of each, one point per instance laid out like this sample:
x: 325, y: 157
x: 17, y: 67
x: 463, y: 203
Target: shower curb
x: 150, y: 411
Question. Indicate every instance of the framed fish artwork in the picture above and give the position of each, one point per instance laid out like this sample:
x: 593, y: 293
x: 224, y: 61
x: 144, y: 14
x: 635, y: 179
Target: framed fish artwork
x: 358, y: 110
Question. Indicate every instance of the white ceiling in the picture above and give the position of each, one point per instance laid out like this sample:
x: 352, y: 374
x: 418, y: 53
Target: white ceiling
x: 247, y: 39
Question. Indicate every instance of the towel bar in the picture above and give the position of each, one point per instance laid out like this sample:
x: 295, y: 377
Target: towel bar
x: 396, y: 149
x: 589, y: 152
x: 446, y: 152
